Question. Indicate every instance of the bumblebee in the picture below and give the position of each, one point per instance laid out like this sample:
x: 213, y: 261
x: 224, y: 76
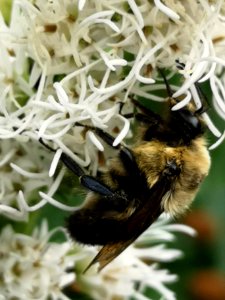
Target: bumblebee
x: 162, y: 172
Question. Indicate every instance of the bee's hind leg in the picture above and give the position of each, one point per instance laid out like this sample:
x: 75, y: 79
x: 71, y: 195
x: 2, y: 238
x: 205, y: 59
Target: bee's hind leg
x: 87, y: 181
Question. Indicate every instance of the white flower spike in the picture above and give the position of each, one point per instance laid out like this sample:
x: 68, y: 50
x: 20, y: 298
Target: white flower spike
x: 65, y: 63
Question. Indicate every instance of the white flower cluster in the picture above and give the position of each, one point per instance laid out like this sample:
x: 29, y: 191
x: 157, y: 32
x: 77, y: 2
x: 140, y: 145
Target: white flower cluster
x: 66, y: 61
x: 130, y: 274
x: 34, y: 267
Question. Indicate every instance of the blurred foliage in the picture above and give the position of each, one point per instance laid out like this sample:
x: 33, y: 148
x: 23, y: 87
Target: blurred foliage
x: 5, y: 8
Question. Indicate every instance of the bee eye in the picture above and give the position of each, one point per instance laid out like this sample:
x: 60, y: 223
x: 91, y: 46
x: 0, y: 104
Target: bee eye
x: 189, y: 118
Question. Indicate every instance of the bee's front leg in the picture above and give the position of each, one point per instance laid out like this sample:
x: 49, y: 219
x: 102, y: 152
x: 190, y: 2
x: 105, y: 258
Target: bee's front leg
x: 105, y: 136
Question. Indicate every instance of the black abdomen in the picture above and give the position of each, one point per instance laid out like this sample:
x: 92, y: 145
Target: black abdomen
x: 92, y: 227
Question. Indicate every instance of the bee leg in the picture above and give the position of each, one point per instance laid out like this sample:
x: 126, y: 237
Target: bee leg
x: 95, y: 185
x: 126, y: 154
x: 109, y: 139
x: 116, y: 200
x: 147, y: 119
x: 139, y: 116
x: 168, y: 88
x: 87, y: 181
x: 145, y: 115
x: 68, y: 162
x: 128, y: 115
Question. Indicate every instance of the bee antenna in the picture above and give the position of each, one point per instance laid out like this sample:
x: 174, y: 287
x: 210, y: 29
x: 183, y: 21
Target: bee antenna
x: 202, y: 96
x: 168, y: 88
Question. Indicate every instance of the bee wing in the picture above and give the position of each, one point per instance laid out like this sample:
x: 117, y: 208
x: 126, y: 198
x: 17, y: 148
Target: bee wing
x: 141, y: 219
x: 108, y: 253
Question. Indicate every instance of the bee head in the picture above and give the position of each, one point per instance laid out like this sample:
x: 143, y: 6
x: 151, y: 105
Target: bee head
x: 187, y: 123
x: 189, y: 119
